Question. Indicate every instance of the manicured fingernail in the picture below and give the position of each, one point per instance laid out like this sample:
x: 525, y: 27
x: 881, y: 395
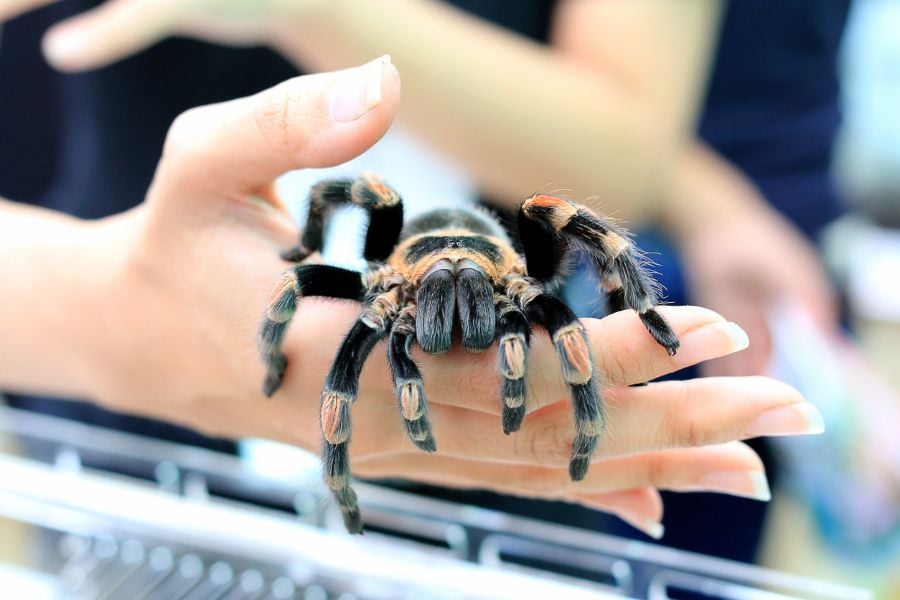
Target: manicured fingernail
x: 649, y: 526
x: 736, y: 334
x: 359, y: 91
x: 795, y: 419
x: 653, y: 528
x: 747, y: 484
x: 711, y: 341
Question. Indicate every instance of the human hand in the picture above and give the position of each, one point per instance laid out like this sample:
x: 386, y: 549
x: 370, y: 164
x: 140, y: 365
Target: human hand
x: 747, y: 264
x: 741, y: 257
x: 119, y: 28
x: 183, y: 283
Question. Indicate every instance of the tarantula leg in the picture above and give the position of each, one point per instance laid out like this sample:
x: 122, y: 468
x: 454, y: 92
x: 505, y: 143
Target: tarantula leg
x: 369, y: 192
x: 340, y: 391
x: 574, y: 351
x: 564, y: 223
x: 514, y: 338
x: 407, y: 379
x: 639, y: 294
x: 297, y: 282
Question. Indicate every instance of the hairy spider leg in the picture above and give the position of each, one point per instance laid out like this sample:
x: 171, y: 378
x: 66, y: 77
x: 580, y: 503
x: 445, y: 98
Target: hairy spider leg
x: 574, y: 350
x: 341, y: 390
x: 297, y: 282
x: 513, y: 340
x: 407, y: 378
x: 622, y: 267
x: 384, y: 205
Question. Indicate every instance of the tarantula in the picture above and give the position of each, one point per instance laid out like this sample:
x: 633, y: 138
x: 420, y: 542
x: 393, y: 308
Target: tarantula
x: 448, y: 270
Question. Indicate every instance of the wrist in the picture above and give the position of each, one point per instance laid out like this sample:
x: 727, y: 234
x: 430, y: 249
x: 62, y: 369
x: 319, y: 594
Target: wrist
x: 96, y: 271
x: 52, y: 291
x: 707, y: 193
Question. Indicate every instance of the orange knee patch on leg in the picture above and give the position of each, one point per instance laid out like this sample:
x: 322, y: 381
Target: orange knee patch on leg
x: 560, y: 211
x: 411, y: 405
x: 335, y: 415
x: 544, y: 200
x: 370, y: 190
x: 512, y: 355
x: 571, y: 342
x: 275, y: 307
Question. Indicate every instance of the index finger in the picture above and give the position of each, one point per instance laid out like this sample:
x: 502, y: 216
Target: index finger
x: 14, y: 8
x: 624, y: 353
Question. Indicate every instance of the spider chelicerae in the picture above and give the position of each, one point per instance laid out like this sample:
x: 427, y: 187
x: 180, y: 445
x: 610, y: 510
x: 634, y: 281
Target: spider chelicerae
x: 448, y: 271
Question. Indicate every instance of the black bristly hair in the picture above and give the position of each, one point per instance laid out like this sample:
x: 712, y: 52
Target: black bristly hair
x: 383, y: 204
x: 454, y: 271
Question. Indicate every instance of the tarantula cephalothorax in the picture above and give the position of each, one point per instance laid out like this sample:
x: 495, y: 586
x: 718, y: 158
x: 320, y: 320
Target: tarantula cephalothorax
x: 455, y: 268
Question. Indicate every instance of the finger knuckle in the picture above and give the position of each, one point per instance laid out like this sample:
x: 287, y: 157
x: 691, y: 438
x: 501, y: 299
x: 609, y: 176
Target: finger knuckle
x: 286, y: 116
x: 616, y: 368
x: 181, y: 137
x: 683, y: 426
x: 656, y: 472
x: 545, y: 442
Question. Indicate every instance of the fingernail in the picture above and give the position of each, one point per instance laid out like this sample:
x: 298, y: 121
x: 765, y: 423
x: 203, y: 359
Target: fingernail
x: 795, y: 419
x: 710, y: 341
x: 359, y: 91
x: 652, y: 528
x: 747, y: 484
x: 736, y: 334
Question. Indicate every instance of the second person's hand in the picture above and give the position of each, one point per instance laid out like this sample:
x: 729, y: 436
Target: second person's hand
x: 117, y: 29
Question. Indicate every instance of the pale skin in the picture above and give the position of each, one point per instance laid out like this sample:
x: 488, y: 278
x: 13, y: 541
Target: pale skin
x: 153, y: 312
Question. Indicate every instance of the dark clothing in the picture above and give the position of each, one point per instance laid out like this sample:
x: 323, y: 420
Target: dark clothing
x: 87, y: 144
x: 773, y: 107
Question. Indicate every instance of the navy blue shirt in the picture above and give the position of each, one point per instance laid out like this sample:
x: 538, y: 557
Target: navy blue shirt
x: 88, y: 144
x: 773, y: 107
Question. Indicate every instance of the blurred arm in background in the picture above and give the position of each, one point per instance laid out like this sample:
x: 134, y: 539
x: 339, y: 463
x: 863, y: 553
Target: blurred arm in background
x: 607, y: 111
x: 741, y: 257
x: 518, y: 115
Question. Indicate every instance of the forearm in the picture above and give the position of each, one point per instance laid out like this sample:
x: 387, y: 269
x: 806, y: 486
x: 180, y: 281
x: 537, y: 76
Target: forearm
x: 51, y: 275
x: 705, y: 190
x: 519, y: 115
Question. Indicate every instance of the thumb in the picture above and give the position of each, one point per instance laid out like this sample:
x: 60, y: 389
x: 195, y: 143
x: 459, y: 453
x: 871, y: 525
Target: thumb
x: 112, y: 31
x: 240, y: 146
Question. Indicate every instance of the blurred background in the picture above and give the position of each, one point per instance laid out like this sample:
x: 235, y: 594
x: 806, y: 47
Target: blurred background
x: 187, y: 517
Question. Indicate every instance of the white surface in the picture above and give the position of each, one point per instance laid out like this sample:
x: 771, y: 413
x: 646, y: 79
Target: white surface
x: 874, y: 275
x: 34, y: 492
x: 16, y: 582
